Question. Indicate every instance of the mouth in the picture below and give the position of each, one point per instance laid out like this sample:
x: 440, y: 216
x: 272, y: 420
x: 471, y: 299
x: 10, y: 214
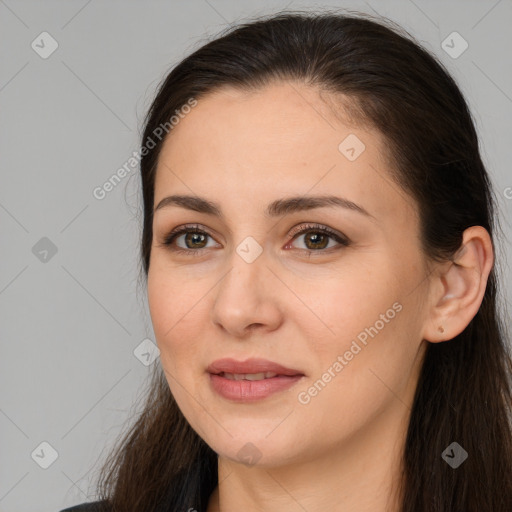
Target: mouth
x: 254, y: 369
x: 248, y: 376
x: 250, y: 380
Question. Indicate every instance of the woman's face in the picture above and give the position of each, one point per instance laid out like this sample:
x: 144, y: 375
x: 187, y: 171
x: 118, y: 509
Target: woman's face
x: 342, y: 311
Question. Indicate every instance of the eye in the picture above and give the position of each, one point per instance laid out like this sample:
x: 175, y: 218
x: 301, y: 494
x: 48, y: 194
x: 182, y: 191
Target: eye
x: 195, y: 239
x: 317, y: 237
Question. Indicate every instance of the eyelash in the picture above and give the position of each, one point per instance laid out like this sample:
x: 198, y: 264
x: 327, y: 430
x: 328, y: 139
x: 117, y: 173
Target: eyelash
x: 304, y: 228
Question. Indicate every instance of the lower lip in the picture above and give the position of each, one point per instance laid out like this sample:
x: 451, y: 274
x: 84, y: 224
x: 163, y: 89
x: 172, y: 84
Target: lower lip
x: 251, y: 390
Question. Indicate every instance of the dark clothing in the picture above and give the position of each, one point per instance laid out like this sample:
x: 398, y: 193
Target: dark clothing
x: 93, y: 506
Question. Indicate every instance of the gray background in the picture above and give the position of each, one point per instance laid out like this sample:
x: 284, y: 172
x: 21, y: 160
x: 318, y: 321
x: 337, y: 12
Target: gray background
x: 70, y: 324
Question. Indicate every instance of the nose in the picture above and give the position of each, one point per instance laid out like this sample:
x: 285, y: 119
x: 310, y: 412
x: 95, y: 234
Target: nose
x: 247, y: 298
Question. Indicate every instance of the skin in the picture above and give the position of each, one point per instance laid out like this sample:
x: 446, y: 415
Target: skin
x: 299, y: 306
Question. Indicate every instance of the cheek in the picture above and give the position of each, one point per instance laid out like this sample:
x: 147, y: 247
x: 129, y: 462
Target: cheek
x: 174, y: 308
x: 175, y: 323
x: 366, y: 340
x: 339, y: 308
x: 353, y: 382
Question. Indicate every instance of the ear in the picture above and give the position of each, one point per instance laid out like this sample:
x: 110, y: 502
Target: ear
x: 458, y: 287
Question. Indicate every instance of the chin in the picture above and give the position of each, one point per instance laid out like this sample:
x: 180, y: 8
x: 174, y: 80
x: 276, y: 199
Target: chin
x: 258, y: 448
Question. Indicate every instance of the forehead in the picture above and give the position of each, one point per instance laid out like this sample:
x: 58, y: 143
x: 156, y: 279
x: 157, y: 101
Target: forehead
x: 277, y: 119
x: 281, y: 140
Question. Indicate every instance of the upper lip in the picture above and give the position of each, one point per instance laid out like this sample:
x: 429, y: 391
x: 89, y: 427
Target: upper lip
x: 253, y: 365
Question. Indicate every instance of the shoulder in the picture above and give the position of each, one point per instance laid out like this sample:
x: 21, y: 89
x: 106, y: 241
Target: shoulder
x: 94, y: 506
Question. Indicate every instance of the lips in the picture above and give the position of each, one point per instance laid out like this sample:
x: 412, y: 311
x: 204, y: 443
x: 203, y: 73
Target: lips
x: 251, y: 380
x: 250, y: 366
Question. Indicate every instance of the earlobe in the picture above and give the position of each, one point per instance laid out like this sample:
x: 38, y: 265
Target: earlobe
x: 461, y: 287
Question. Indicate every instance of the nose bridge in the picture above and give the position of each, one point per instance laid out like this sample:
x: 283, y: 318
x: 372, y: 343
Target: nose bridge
x: 243, y: 296
x: 247, y: 266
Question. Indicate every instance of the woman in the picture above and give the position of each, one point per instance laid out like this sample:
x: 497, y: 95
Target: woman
x: 318, y: 242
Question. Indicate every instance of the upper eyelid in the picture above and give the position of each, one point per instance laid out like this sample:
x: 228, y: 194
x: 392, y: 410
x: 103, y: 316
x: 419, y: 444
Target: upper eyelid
x: 300, y: 229
x: 302, y: 226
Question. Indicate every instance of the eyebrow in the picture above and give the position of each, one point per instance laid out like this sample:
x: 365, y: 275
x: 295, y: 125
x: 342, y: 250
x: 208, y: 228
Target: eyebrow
x: 275, y: 209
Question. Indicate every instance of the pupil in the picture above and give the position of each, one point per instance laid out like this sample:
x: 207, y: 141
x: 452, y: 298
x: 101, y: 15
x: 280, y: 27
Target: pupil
x: 316, y: 241
x: 196, y: 237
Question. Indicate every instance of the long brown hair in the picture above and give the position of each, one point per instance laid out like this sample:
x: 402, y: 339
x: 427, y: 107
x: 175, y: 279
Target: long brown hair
x: 464, y: 391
